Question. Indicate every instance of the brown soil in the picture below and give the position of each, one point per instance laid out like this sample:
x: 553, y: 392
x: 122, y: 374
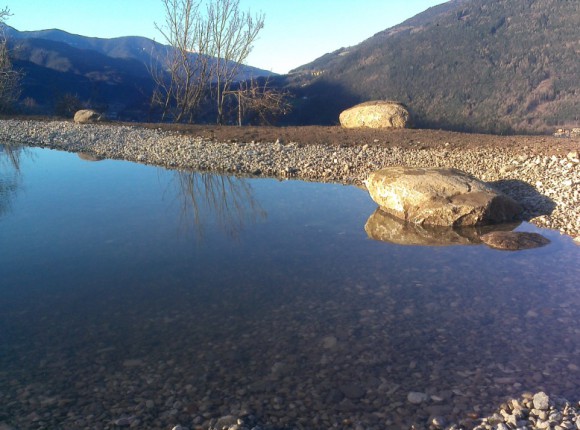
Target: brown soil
x: 411, y: 138
x: 335, y: 135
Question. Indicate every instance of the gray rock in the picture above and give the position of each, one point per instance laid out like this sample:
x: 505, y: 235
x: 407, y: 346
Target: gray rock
x: 440, y: 197
x: 541, y: 401
x: 416, y: 397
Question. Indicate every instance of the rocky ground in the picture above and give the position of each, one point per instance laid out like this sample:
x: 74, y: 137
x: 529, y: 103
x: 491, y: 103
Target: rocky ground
x: 541, y: 172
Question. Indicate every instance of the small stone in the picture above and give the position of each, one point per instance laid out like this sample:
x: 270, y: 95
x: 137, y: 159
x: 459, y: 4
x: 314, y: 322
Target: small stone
x: 417, y: 398
x: 541, y: 401
x: 132, y: 363
x: 495, y: 419
x: 124, y: 421
x: 353, y: 391
x: 329, y: 342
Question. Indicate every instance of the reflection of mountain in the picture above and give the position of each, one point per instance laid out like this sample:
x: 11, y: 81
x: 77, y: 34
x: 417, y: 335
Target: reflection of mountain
x: 386, y: 228
x: 226, y: 200
x: 9, y: 175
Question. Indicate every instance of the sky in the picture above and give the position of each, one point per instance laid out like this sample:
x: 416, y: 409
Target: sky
x: 296, y: 32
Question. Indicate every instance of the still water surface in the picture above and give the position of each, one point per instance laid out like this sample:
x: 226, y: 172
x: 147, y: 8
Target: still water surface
x: 157, y: 297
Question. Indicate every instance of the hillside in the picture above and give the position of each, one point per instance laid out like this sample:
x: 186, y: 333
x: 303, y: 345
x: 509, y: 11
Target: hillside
x: 474, y: 65
x: 63, y: 71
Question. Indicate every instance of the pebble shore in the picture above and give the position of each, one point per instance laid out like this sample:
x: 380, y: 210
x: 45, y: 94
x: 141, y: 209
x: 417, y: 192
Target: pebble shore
x: 547, y: 186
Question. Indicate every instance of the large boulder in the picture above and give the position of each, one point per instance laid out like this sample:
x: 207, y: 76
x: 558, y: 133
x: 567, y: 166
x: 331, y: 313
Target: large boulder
x: 436, y: 196
x: 85, y: 116
x: 376, y: 114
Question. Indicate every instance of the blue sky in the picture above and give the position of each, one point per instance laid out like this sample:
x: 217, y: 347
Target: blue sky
x: 296, y: 31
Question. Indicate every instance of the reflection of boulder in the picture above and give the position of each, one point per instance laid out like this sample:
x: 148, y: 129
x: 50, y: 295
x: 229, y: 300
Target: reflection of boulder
x: 88, y: 156
x: 514, y: 241
x: 386, y: 228
x: 375, y: 114
x: 436, y: 196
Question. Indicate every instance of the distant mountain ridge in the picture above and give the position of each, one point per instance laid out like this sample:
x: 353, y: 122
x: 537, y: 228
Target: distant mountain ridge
x: 109, y: 74
x: 476, y: 65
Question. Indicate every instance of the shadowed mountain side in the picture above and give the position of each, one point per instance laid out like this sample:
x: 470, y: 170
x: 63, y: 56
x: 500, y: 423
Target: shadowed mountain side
x: 384, y: 227
x: 64, y: 72
x: 318, y: 104
x: 46, y: 90
x: 471, y: 65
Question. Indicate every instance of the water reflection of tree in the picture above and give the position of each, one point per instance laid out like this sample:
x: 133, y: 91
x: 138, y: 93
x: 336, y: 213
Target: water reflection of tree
x: 227, y: 200
x: 9, y: 175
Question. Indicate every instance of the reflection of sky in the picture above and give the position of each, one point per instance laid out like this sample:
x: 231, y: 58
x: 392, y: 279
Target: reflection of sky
x: 99, y: 261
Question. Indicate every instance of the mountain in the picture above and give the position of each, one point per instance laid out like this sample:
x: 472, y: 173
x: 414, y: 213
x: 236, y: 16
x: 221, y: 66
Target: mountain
x: 473, y: 65
x: 63, y: 71
x: 138, y: 48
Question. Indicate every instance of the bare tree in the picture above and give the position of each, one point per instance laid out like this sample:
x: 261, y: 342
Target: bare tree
x: 233, y: 34
x: 182, y: 77
x: 208, y: 46
x: 258, y: 98
x: 9, y: 78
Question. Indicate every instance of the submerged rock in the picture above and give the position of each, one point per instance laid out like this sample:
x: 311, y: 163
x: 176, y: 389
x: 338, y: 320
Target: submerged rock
x: 87, y: 156
x: 440, y: 197
x: 514, y: 241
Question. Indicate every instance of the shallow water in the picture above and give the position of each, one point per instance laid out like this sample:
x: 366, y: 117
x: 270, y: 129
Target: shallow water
x: 164, y: 297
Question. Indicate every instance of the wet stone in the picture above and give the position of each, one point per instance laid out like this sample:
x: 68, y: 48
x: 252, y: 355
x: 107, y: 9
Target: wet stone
x: 514, y: 241
x: 353, y: 391
x: 417, y: 398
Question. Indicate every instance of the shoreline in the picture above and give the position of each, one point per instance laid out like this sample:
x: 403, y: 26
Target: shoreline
x: 548, y: 186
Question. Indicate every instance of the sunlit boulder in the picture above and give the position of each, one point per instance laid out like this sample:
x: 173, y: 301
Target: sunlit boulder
x: 437, y: 196
x: 376, y: 114
x: 85, y: 116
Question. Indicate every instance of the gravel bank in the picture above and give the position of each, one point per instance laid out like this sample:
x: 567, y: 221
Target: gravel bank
x: 547, y: 186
